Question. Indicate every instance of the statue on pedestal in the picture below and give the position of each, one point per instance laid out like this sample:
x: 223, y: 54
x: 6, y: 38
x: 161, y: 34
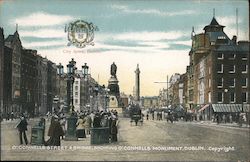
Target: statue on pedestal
x: 113, y: 69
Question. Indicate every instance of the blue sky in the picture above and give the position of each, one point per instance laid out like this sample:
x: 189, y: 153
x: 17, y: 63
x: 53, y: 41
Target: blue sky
x: 153, y: 33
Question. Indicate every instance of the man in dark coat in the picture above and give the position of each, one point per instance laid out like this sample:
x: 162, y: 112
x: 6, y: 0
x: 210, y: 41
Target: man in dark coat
x: 22, y: 127
x: 55, y: 132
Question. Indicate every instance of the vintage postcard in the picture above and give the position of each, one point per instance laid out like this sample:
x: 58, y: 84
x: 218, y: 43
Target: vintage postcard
x: 124, y: 80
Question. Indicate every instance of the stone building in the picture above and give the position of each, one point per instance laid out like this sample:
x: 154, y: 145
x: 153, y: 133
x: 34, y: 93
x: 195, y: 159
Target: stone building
x: 1, y: 67
x: 218, y: 72
x: 13, y: 42
x: 28, y: 81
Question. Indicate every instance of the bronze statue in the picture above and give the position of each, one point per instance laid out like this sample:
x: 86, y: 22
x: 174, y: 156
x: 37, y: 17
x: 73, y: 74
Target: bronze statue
x: 113, y: 69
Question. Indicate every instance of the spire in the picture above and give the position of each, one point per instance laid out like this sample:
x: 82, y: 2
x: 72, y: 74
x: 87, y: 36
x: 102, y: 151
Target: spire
x: 213, y: 12
x: 193, y: 33
x: 16, y: 27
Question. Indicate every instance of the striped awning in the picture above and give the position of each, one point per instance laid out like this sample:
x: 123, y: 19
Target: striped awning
x: 203, y: 108
x: 230, y: 107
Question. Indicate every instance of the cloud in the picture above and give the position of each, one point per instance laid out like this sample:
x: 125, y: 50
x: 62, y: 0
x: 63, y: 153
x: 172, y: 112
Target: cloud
x: 126, y: 9
x: 41, y: 19
x: 53, y: 43
x: 228, y: 20
x: 150, y: 36
x: 43, y: 33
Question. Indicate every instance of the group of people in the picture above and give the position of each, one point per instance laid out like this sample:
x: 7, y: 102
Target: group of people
x: 97, y: 119
x: 86, y: 120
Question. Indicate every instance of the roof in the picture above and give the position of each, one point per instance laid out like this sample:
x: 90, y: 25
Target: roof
x: 213, y: 24
x: 9, y: 38
x: 213, y: 36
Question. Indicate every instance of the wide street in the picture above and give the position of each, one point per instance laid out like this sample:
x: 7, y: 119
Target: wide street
x: 153, y: 141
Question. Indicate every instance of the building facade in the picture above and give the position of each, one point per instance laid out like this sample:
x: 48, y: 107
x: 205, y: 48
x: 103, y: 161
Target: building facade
x: 13, y: 42
x: 218, y: 72
x: 1, y: 68
x: 28, y: 87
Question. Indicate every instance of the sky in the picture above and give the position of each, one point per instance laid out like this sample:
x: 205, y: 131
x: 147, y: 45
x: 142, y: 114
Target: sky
x: 156, y: 34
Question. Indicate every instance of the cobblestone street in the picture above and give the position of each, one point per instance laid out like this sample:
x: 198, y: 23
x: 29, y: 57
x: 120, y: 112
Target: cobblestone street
x: 154, y: 140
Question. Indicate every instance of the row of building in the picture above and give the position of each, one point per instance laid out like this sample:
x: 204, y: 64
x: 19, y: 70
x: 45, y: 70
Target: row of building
x: 217, y: 74
x: 27, y: 79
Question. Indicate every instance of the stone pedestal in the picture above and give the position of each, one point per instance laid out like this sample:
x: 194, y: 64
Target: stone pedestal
x: 114, y: 95
x: 71, y: 129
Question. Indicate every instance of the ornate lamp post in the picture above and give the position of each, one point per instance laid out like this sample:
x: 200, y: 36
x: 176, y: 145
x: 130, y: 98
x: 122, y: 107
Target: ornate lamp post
x: 60, y: 75
x: 96, y: 91
x: 85, y: 70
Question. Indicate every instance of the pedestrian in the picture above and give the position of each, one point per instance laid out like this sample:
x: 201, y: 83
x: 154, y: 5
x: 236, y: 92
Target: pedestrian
x: 97, y: 121
x: 63, y: 124
x: 87, y: 124
x: 12, y: 115
x: 55, y: 132
x: 22, y: 128
x: 80, y: 124
x: 153, y: 115
x: 114, y: 129
x: 147, y: 116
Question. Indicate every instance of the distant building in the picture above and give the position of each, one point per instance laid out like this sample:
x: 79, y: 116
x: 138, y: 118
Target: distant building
x: 150, y: 102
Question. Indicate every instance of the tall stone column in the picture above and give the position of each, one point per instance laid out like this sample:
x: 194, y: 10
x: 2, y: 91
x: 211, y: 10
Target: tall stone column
x: 137, y: 83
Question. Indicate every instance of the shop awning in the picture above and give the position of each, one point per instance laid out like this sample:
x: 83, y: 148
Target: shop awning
x: 227, y: 107
x: 203, y: 108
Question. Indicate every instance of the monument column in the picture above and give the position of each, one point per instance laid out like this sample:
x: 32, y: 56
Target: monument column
x: 137, y: 83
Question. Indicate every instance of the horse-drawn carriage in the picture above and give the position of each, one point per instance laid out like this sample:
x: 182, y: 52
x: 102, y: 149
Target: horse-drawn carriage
x: 135, y: 115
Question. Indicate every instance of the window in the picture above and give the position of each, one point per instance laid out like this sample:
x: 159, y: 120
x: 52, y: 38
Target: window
x: 76, y: 101
x: 244, y: 68
x: 244, y: 57
x: 220, y: 96
x: 244, y: 82
x: 76, y: 88
x: 209, y: 97
x: 232, y: 97
x: 231, y: 68
x: 76, y: 82
x: 244, y: 97
x: 220, y: 68
x: 231, y: 56
x: 209, y: 83
x: 220, y: 82
x: 76, y: 93
x: 232, y: 82
x: 220, y: 56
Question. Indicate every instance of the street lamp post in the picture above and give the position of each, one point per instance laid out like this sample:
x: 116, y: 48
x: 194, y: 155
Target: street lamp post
x: 96, y: 90
x: 72, y: 117
x: 85, y: 69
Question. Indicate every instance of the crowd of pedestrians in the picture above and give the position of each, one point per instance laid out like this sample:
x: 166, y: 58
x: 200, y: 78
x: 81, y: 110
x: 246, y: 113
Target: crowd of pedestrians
x: 86, y: 121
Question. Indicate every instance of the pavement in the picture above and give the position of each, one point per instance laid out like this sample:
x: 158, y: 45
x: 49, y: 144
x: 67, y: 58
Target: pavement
x: 152, y: 141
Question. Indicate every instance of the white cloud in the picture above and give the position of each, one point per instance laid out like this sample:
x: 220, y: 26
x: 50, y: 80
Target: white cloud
x: 43, y: 44
x: 150, y: 36
x: 43, y: 33
x: 126, y: 9
x: 41, y: 19
x: 228, y: 20
x: 187, y: 43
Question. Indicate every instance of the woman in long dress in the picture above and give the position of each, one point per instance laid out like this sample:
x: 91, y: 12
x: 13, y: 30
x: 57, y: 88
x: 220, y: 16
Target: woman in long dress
x: 80, y: 127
